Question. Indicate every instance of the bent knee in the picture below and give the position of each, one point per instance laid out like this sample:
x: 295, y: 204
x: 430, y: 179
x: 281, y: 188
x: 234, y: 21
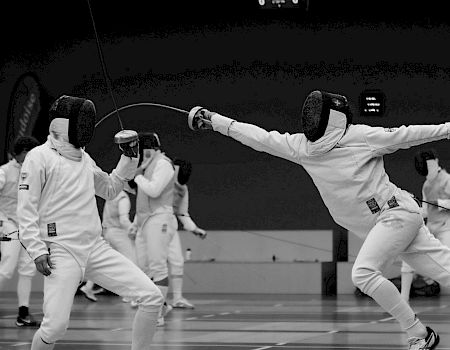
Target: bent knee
x: 54, y: 331
x: 151, y: 299
x: 364, y: 277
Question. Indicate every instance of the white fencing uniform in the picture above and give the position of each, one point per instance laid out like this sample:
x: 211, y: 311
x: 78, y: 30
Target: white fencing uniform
x: 59, y: 216
x: 13, y: 255
x: 346, y: 165
x: 175, y: 257
x: 156, y: 222
x: 116, y: 224
x: 435, y: 188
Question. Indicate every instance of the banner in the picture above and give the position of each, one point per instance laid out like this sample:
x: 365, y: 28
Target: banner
x: 24, y: 109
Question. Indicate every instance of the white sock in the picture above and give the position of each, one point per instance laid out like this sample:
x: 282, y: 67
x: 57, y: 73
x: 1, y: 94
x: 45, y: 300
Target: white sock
x: 89, y: 285
x: 38, y: 343
x: 24, y: 290
x: 389, y: 298
x: 144, y: 327
x: 177, y: 287
x: 407, y: 278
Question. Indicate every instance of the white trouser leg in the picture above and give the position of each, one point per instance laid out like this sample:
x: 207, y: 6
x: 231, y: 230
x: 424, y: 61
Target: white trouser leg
x: 10, y: 255
x: 59, y: 291
x: 158, y: 232
x: 394, y: 231
x: 110, y: 269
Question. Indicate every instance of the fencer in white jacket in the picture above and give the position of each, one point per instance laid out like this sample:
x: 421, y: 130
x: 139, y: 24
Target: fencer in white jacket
x: 60, y: 226
x: 345, y: 162
x: 183, y: 169
x: 435, y: 200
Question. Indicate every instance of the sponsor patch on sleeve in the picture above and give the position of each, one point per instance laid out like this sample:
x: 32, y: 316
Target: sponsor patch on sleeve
x: 24, y: 187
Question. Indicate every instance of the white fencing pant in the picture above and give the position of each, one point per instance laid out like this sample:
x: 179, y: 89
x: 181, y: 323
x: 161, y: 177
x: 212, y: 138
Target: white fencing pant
x: 14, y: 255
x: 400, y: 231
x: 118, y: 238
x: 175, y: 257
x: 106, y: 267
x: 152, y: 245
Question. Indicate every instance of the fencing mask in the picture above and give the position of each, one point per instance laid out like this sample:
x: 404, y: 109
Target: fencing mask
x: 184, y: 171
x: 81, y: 114
x: 420, y: 161
x: 316, y: 112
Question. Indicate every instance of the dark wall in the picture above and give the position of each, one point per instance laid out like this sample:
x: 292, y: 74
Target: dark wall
x: 254, y: 66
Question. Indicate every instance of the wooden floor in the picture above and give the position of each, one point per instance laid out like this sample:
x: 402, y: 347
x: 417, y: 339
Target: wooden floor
x: 237, y: 322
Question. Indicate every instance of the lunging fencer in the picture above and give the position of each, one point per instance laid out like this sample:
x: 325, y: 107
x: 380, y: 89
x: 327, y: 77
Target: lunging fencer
x: 60, y: 227
x: 183, y: 169
x: 345, y: 162
x: 436, y: 197
x: 13, y: 255
x: 155, y: 221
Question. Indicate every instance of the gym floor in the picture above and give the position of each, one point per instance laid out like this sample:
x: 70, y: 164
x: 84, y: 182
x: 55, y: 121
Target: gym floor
x: 236, y: 321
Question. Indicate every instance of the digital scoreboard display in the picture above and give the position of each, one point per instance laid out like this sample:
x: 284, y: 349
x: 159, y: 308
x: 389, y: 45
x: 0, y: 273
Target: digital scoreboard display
x: 372, y: 103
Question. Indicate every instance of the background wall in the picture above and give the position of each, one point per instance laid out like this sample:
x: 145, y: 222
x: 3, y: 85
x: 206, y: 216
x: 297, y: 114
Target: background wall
x: 253, y: 65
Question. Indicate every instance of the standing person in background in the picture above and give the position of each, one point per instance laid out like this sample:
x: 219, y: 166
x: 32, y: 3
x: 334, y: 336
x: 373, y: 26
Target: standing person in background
x: 12, y: 253
x: 60, y: 226
x: 154, y: 221
x: 435, y: 191
x: 345, y: 162
x: 183, y: 169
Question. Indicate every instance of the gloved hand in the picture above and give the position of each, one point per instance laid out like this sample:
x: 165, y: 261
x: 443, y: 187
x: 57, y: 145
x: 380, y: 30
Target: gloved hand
x: 44, y: 264
x: 128, y: 141
x: 199, y: 232
x: 199, y: 118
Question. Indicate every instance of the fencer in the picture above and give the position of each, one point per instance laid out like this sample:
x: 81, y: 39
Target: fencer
x: 13, y: 255
x: 183, y: 170
x: 60, y: 227
x: 155, y: 221
x: 436, y: 197
x: 345, y: 162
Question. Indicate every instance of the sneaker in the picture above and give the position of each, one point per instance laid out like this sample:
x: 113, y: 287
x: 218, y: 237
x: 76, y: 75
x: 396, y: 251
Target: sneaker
x: 27, y: 321
x: 427, y: 343
x: 88, y: 293
x: 182, y: 304
x: 165, y: 309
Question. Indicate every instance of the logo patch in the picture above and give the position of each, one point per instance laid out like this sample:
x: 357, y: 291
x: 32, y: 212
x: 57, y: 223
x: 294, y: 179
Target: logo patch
x: 390, y: 129
x: 24, y: 187
x: 373, y: 205
x: 392, y: 203
x: 51, y: 229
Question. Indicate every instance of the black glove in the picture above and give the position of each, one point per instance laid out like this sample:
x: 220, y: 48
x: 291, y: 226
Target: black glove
x: 199, y: 118
x: 128, y: 141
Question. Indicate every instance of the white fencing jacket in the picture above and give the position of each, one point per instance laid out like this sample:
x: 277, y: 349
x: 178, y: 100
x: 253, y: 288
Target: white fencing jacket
x: 56, y: 200
x: 346, y: 164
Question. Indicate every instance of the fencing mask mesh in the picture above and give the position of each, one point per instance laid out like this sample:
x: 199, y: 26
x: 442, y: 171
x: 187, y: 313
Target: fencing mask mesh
x: 316, y: 112
x: 81, y: 114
